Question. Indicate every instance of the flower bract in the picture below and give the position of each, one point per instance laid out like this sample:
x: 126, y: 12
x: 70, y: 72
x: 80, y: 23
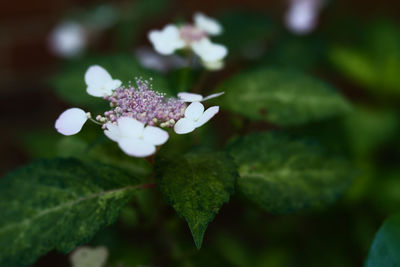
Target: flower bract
x: 99, y: 82
x: 191, y: 97
x: 134, y: 138
x: 71, y: 121
x: 195, y: 116
x: 207, y: 24
x: 167, y: 40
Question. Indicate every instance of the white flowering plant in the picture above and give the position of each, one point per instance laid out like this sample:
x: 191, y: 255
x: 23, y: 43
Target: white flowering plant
x: 213, y: 121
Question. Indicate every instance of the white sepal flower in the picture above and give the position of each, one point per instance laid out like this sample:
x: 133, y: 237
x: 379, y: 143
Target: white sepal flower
x: 191, y: 97
x: 71, y: 121
x: 167, y: 40
x: 99, y: 82
x: 195, y: 116
x: 207, y: 24
x: 208, y: 51
x: 134, y: 138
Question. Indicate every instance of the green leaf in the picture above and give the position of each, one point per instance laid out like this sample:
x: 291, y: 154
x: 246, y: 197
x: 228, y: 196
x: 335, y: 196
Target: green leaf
x: 385, y: 250
x: 70, y: 84
x: 47, y: 144
x: 284, y: 175
x: 281, y: 96
x: 108, y: 152
x: 196, y: 185
x: 367, y: 129
x: 292, y: 52
x: 375, y: 61
x: 57, y: 204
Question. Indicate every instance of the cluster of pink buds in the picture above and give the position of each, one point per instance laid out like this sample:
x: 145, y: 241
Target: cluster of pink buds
x: 143, y: 104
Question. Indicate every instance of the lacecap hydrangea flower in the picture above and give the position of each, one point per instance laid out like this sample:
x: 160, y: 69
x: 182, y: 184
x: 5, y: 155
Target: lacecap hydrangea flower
x: 195, y: 37
x: 139, y: 116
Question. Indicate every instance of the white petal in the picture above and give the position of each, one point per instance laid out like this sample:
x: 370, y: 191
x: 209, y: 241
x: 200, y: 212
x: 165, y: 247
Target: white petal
x: 98, y: 81
x: 97, y: 91
x: 194, y: 111
x: 208, y: 51
x: 130, y: 127
x: 184, y: 126
x: 112, y: 132
x: 190, y: 97
x: 167, y: 40
x: 213, y: 96
x: 207, y: 24
x: 155, y: 135
x: 71, y: 121
x: 136, y: 148
x: 96, y: 76
x: 112, y: 85
x: 208, y: 114
x: 213, y: 65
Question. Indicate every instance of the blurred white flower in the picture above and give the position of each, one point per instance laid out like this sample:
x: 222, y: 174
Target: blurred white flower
x: 207, y: 24
x: 192, y: 36
x: 152, y: 60
x: 195, y: 116
x: 302, y: 15
x: 71, y: 121
x: 99, y: 82
x: 68, y: 39
x: 167, y: 40
x: 89, y: 257
x: 191, y: 97
x: 214, y: 65
x: 134, y: 138
x: 208, y: 52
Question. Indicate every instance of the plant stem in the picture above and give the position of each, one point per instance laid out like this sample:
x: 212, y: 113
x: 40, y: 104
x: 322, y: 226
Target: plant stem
x: 149, y: 185
x: 197, y: 88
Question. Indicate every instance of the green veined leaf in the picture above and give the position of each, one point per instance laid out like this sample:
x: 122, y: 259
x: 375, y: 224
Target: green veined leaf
x: 385, y: 250
x: 284, y: 175
x: 281, y: 96
x: 57, y: 204
x: 196, y: 185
